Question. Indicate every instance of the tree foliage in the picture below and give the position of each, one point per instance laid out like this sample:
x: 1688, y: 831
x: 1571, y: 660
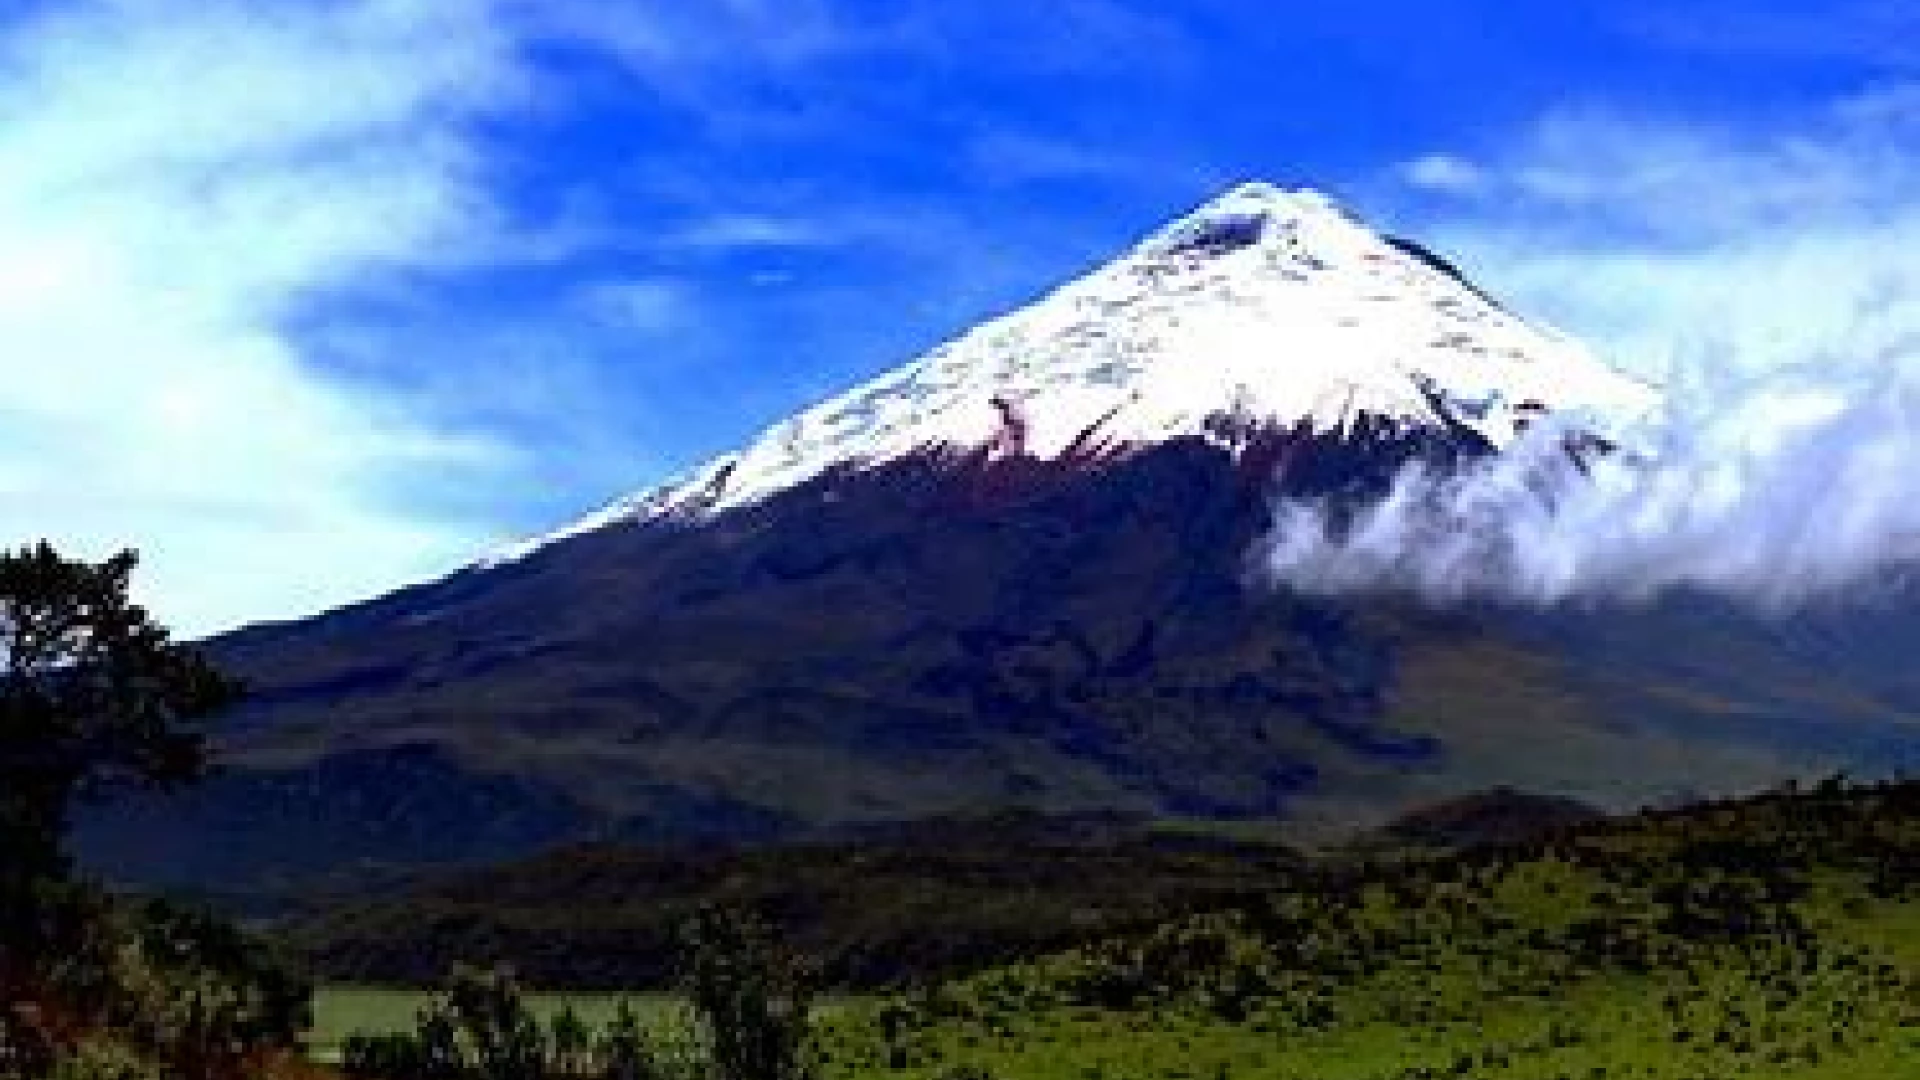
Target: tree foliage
x: 93, y: 695
x: 754, y: 993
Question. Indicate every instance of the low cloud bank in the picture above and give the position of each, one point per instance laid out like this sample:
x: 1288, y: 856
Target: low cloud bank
x: 1777, y: 487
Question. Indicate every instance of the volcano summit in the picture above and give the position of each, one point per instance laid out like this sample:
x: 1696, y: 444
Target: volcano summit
x: 1263, y: 310
x: 1014, y: 573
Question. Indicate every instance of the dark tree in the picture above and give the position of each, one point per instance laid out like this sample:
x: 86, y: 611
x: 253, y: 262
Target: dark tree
x: 93, y: 696
x: 753, y: 993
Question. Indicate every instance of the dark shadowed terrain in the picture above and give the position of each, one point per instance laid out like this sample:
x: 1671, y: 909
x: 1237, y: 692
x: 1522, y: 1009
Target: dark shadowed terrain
x: 948, y: 634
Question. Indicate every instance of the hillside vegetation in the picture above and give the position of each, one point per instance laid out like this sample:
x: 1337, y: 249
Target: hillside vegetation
x: 925, y: 900
x: 1772, y: 937
x: 1775, y: 937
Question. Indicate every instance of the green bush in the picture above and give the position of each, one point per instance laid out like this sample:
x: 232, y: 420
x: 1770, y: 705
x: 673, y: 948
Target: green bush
x: 623, y: 1051
x: 754, y: 996
x: 101, y: 1060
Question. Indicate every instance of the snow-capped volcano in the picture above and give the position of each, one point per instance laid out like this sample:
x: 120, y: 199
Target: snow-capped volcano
x: 1015, y: 572
x: 1266, y: 305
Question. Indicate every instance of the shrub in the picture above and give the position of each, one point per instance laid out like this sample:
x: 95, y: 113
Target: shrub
x: 501, y: 1035
x: 753, y: 995
x: 751, y: 1000
x: 100, y: 1060
x: 623, y: 1050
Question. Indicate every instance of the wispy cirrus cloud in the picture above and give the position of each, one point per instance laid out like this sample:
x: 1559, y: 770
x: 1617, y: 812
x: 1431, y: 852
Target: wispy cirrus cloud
x: 234, y: 239
x: 1651, y: 233
x: 647, y: 306
x: 180, y: 185
x: 1443, y: 174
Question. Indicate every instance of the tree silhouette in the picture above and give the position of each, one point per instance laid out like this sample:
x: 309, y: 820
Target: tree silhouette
x: 93, y: 696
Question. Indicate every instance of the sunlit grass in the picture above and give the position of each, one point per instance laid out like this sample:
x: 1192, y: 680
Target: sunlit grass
x: 340, y: 1011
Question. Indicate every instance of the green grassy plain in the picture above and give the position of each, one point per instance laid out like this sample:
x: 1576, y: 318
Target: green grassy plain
x: 340, y: 1011
x: 1775, y: 938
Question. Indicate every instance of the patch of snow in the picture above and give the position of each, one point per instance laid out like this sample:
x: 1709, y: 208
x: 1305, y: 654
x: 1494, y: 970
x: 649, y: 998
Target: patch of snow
x: 1272, y: 302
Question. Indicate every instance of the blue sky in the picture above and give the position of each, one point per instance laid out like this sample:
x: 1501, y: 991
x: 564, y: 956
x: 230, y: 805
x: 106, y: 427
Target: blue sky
x: 310, y: 300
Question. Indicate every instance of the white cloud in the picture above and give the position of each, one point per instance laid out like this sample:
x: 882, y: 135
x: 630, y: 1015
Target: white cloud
x: 733, y: 230
x: 1443, y: 173
x: 1774, y: 487
x: 1768, y: 279
x: 177, y: 182
x: 1654, y: 236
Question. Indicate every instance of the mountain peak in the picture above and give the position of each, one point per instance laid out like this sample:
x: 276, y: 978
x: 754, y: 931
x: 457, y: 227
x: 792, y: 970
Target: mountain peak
x: 1264, y: 304
x: 1243, y: 216
x: 1259, y: 196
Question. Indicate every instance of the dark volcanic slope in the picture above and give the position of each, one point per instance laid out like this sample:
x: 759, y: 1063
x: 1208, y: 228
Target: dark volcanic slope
x: 946, y: 633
